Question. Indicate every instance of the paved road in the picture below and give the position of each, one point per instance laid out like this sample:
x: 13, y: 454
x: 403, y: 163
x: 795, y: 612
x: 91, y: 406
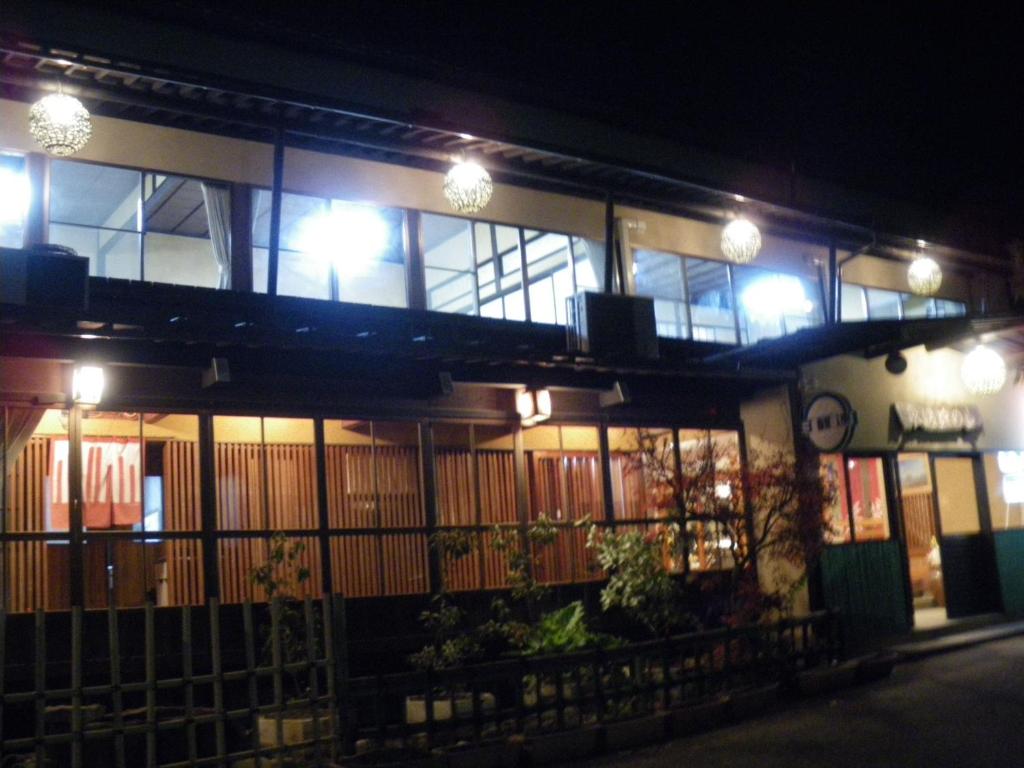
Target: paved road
x: 958, y: 710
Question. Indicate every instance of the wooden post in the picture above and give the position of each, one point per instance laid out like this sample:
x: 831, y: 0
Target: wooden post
x: 114, y: 646
x: 416, y: 285
x: 241, y: 237
x: 338, y: 643
x: 276, y: 195
x: 37, y: 222
x: 208, y: 506
x: 216, y: 666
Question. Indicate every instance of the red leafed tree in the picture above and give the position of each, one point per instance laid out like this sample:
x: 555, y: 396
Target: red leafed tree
x: 737, y: 519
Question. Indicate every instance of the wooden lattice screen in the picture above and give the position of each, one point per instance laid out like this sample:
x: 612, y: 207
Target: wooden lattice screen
x: 25, y: 566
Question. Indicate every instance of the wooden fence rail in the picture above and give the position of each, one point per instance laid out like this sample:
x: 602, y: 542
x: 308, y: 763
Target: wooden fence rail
x: 277, y: 688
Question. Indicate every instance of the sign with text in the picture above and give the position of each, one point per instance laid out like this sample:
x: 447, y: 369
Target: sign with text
x: 829, y: 421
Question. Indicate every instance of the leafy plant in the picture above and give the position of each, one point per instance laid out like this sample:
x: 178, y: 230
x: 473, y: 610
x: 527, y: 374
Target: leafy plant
x: 451, y: 644
x: 638, y: 582
x: 281, y: 578
x: 563, y: 631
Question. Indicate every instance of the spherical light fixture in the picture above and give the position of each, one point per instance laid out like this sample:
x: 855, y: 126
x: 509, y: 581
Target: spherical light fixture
x: 741, y: 241
x: 60, y: 124
x: 983, y: 371
x: 468, y: 187
x: 924, y: 276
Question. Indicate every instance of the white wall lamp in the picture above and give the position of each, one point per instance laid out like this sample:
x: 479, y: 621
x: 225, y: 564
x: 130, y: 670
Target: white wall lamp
x: 983, y: 371
x: 741, y: 240
x: 468, y: 187
x: 533, y: 406
x: 87, y: 383
x: 60, y: 123
x: 924, y: 274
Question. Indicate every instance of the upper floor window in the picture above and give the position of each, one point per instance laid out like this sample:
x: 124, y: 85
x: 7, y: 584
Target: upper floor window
x: 142, y: 226
x: 861, y: 303
x: 773, y: 304
x: 14, y: 195
x: 332, y: 249
x: 476, y: 268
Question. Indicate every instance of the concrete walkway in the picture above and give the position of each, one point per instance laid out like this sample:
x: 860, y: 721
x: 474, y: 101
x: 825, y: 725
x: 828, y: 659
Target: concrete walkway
x: 955, y: 710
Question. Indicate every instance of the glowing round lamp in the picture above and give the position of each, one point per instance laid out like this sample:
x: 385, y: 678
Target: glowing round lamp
x: 60, y: 124
x: 468, y: 187
x: 983, y: 371
x: 924, y: 276
x: 741, y: 241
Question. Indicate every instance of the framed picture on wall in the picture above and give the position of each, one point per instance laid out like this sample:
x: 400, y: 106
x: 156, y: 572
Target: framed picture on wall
x: 915, y: 475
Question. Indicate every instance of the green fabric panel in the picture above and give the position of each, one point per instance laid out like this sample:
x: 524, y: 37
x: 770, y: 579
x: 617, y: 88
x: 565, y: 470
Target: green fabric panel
x: 865, y: 582
x: 1010, y: 562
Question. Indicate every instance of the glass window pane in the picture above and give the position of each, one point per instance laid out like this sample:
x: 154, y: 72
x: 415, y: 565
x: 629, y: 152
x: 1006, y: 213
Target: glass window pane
x: 772, y: 304
x: 237, y: 557
x: 883, y: 305
x: 448, y: 262
x: 180, y: 260
x: 854, y: 306
x: 660, y: 276
x: 94, y: 195
x: 957, y: 495
x: 15, y: 193
x: 711, y: 309
x: 111, y: 253
x: 589, y: 258
x: 112, y: 471
x: 867, y: 496
x: 917, y: 306
x: 35, y: 479
x: 948, y: 308
x: 549, y: 269
x: 1004, y: 477
x: 837, y: 518
x: 642, y: 466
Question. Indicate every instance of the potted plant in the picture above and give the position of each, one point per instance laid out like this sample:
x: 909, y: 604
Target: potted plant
x: 281, y: 578
x: 451, y: 645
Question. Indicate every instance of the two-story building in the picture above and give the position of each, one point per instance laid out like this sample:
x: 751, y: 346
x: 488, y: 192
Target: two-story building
x: 295, y: 319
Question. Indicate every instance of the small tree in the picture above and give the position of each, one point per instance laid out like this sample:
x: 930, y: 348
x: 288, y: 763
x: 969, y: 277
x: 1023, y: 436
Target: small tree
x: 281, y: 578
x: 639, y: 584
x: 451, y: 644
x: 708, y: 500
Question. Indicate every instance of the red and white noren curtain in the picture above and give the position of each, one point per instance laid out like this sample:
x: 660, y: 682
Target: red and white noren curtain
x: 111, y: 483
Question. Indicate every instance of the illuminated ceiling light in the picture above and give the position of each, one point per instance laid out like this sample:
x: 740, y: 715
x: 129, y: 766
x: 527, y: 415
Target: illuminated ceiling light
x: 924, y: 276
x: 983, y: 371
x: 87, y: 385
x: 14, y: 196
x: 773, y: 296
x: 741, y: 241
x: 60, y: 124
x: 468, y: 187
x: 350, y: 236
x: 533, y: 406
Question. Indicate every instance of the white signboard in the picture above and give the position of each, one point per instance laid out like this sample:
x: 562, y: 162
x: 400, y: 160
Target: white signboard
x: 829, y: 421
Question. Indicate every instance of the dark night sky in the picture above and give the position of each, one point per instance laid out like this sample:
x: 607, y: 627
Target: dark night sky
x: 913, y: 105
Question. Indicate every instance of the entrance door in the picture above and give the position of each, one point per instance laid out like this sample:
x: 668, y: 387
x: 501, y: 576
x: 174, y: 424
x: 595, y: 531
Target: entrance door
x: 920, y: 526
x: 967, y: 557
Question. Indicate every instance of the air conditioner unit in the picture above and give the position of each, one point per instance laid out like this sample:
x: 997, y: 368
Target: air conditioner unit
x: 44, y: 275
x: 608, y: 325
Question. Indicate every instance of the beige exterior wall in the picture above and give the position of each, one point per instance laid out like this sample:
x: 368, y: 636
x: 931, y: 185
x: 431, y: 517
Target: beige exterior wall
x: 892, y: 275
x: 931, y: 378
x: 768, y: 427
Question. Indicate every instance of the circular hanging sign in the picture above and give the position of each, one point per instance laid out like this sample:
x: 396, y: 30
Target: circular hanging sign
x: 829, y: 421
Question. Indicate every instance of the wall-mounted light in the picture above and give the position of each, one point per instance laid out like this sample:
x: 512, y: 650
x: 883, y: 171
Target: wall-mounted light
x: 924, y: 276
x: 468, y: 187
x: 533, y: 406
x: 983, y: 371
x: 60, y: 123
x: 87, y: 385
x: 741, y: 240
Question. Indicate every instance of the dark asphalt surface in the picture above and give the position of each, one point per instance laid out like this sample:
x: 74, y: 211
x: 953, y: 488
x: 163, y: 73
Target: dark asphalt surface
x: 957, y: 710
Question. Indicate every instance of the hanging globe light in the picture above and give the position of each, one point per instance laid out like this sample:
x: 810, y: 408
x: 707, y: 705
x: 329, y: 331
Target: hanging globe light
x: 60, y: 124
x: 741, y: 241
x: 468, y: 187
x: 983, y: 371
x: 924, y: 276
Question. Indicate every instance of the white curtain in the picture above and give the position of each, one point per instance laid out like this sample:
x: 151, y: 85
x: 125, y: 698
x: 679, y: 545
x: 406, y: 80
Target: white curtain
x: 218, y: 216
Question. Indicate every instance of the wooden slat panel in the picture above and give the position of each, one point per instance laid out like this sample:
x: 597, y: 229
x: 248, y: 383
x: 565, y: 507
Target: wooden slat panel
x: 355, y: 565
x: 405, y: 564
x: 497, y: 486
x: 25, y: 565
x: 184, y: 562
